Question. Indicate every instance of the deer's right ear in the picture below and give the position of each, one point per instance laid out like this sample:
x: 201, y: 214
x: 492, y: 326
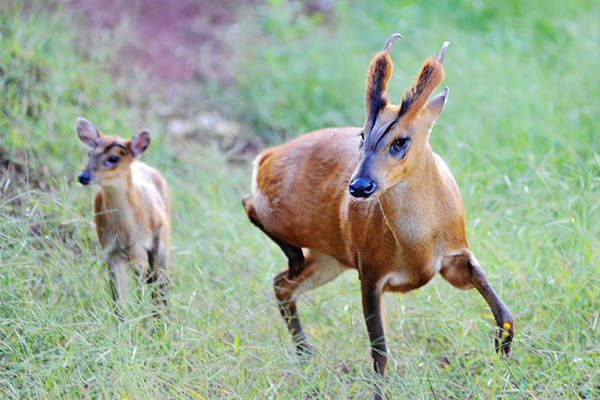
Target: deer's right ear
x: 88, y: 134
x: 434, y: 107
x: 380, y: 72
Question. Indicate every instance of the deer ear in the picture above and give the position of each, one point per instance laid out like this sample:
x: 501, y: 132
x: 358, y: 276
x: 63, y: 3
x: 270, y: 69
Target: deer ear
x: 380, y: 72
x: 430, y: 75
x: 88, y: 134
x: 435, y: 106
x: 139, y: 143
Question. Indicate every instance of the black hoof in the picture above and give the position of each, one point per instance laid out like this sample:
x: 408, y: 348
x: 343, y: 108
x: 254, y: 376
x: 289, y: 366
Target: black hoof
x: 504, y: 339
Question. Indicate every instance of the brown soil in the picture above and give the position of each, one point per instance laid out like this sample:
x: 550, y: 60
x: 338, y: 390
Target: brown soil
x: 177, y: 41
x: 180, y: 43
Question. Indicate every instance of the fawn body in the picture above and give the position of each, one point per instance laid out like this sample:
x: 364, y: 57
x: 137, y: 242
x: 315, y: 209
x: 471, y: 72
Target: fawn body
x: 131, y: 209
x: 375, y: 199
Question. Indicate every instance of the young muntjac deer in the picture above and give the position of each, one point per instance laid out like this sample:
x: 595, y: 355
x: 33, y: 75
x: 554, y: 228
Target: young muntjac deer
x: 376, y: 199
x: 131, y: 210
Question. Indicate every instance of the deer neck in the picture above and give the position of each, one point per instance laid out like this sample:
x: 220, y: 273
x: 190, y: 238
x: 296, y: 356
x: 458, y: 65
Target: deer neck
x: 409, y: 206
x: 121, y: 199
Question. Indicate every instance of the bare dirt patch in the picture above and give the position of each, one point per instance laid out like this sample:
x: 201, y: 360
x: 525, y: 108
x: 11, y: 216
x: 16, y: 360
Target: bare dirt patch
x: 181, y: 45
x: 176, y: 41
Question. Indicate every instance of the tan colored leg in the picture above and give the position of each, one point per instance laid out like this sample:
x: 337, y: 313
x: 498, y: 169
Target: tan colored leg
x: 157, y: 276
x: 118, y: 282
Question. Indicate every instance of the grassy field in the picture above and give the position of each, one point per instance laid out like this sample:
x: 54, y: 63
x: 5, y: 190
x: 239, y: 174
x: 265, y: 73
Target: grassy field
x: 520, y: 132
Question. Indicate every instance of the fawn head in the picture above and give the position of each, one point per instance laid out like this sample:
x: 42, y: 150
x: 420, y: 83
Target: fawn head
x: 395, y: 138
x: 110, y: 156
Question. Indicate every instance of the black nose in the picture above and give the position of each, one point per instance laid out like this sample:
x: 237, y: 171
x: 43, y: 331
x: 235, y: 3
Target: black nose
x: 362, y: 187
x: 84, y: 178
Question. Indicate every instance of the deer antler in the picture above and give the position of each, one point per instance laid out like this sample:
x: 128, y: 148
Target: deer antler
x: 388, y: 44
x: 442, y: 52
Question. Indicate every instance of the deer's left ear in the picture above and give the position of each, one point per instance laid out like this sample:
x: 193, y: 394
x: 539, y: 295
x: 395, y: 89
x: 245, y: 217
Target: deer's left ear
x: 430, y: 75
x: 435, y: 106
x: 139, y: 143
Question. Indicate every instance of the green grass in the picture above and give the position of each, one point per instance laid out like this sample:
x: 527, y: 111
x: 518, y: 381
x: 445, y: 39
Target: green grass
x: 520, y: 133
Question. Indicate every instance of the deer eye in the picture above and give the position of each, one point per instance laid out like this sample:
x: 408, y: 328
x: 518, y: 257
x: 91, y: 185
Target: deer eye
x: 111, y: 161
x: 362, y: 139
x: 398, y: 148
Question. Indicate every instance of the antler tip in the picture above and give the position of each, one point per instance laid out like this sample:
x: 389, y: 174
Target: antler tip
x: 440, y: 58
x: 388, y: 44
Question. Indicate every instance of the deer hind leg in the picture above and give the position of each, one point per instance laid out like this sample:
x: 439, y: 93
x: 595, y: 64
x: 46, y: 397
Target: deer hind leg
x: 141, y: 265
x: 318, y: 270
x: 464, y: 272
x: 293, y: 254
x: 157, y: 276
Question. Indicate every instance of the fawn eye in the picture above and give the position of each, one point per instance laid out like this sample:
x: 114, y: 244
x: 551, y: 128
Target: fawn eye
x: 398, y: 148
x: 362, y: 139
x: 111, y: 161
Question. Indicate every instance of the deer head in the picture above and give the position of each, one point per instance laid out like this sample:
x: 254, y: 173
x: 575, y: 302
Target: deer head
x: 110, y: 156
x: 395, y: 138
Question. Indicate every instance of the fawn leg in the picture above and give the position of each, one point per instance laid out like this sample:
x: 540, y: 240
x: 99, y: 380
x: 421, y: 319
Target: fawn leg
x: 157, y: 274
x: 118, y: 283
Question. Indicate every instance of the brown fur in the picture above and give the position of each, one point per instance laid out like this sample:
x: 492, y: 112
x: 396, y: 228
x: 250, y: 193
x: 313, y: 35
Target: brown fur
x: 412, y: 227
x: 132, y: 214
x: 430, y: 75
x: 380, y: 72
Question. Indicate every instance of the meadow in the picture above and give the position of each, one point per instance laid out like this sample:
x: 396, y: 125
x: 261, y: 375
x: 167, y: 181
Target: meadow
x: 520, y: 133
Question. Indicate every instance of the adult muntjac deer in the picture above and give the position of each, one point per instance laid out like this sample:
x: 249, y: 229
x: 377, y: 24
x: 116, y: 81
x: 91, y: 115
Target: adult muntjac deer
x: 376, y: 199
x: 132, y: 209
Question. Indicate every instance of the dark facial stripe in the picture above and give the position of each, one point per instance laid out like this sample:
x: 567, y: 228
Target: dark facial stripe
x: 375, y: 137
x: 385, y: 132
x: 113, y: 145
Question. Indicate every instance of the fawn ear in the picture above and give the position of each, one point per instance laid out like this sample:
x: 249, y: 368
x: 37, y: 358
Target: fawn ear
x: 430, y: 75
x: 380, y: 72
x: 139, y: 143
x: 435, y: 106
x: 88, y: 134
